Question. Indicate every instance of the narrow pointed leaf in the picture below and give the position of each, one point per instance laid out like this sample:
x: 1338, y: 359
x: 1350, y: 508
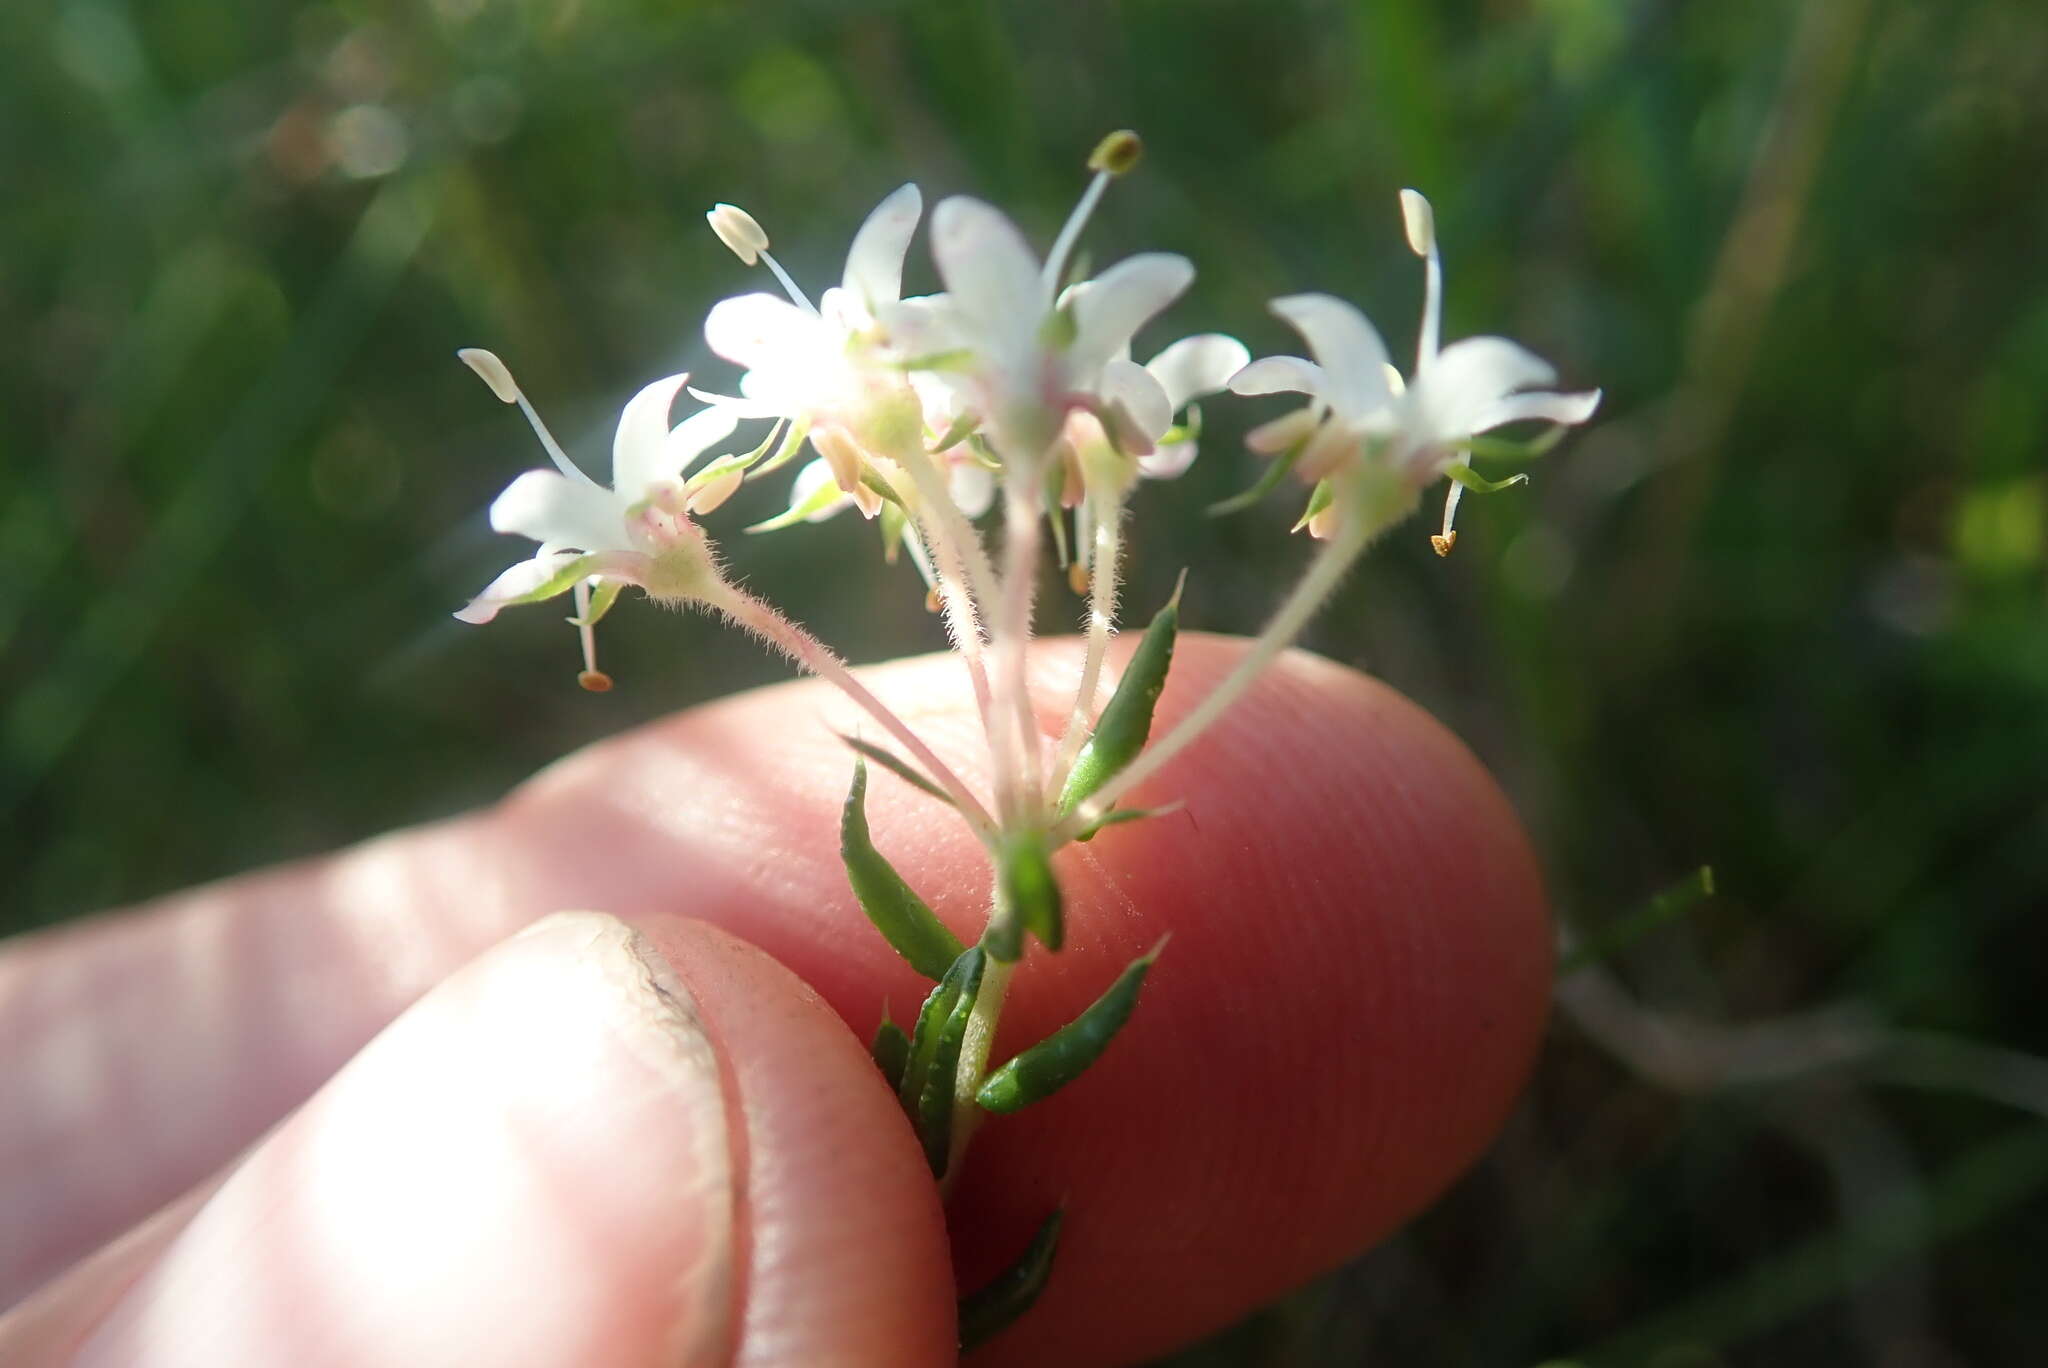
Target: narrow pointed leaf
x: 1118, y: 816
x: 934, y: 1114
x: 1320, y: 498
x: 897, y: 766
x: 898, y: 913
x: 891, y: 1051
x: 1126, y: 721
x: 992, y: 1309
x: 820, y: 499
x: 1065, y: 1055
x: 1694, y: 889
x: 792, y: 443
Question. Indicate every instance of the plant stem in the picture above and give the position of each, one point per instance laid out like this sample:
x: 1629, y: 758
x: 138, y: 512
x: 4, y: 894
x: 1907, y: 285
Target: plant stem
x: 1104, y: 569
x: 1013, y: 634
x: 811, y: 654
x: 967, y: 582
x: 1322, y: 577
x: 975, y: 1046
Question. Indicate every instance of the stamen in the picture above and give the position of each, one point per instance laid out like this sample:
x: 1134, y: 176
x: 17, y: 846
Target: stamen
x: 591, y: 678
x: 498, y: 376
x: 1420, y: 221
x: 802, y: 300
x: 737, y: 229
x: 1114, y: 156
x: 1449, y: 537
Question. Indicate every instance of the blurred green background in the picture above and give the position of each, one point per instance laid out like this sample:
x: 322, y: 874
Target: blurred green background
x: 1783, y: 608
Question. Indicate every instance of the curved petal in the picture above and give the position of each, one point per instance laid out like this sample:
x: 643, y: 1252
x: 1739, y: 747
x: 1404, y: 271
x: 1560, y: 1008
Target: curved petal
x: 763, y: 332
x: 689, y: 440
x: 874, y: 264
x: 991, y: 274
x: 1568, y: 410
x: 740, y: 405
x: 643, y: 427
x: 1120, y: 301
x: 1468, y: 380
x: 923, y: 325
x: 1198, y: 365
x: 1346, y: 345
x: 1128, y: 386
x: 1168, y: 462
x: 530, y: 581
x: 1281, y: 375
x: 549, y: 507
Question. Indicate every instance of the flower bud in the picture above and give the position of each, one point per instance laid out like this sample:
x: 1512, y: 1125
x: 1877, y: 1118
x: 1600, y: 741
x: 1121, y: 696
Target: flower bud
x: 492, y: 371
x: 736, y: 229
x: 1118, y: 153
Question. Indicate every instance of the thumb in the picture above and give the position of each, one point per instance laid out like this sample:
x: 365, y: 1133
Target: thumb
x: 583, y: 1147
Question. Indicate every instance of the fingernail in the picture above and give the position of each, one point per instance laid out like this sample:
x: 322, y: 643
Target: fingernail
x: 533, y: 1164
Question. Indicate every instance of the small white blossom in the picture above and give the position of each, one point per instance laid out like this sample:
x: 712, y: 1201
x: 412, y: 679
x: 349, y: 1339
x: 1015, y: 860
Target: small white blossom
x: 638, y: 531
x: 1363, y: 414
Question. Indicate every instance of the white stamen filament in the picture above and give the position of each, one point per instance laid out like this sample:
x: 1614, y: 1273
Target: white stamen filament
x: 1420, y: 221
x: 797, y: 296
x: 554, y: 448
x: 1063, y: 245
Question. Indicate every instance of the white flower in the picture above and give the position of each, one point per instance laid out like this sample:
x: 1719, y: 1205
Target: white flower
x: 1363, y: 414
x: 821, y: 367
x: 1021, y: 357
x: 636, y: 532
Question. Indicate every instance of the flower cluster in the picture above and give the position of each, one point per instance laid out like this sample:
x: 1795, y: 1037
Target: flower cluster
x: 1013, y: 387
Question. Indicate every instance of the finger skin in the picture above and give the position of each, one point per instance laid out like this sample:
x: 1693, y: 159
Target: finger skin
x: 580, y: 1148
x: 1356, y: 984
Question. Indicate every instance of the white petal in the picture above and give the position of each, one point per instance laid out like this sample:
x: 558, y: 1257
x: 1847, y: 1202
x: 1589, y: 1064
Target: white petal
x: 1169, y: 462
x: 549, y: 507
x: 643, y: 426
x: 1281, y: 375
x: 517, y: 584
x: 1119, y: 302
x: 1468, y: 381
x: 874, y: 264
x: 1129, y: 386
x: 740, y: 405
x: 973, y: 487
x: 1198, y: 365
x: 924, y: 325
x: 991, y: 275
x: 1567, y: 409
x: 689, y: 440
x: 1346, y: 345
x: 763, y: 331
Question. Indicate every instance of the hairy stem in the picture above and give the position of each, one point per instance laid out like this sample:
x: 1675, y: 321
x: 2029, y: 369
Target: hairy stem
x: 1102, y: 586
x: 975, y: 1046
x: 1324, y: 574
x: 1013, y: 637
x: 809, y: 653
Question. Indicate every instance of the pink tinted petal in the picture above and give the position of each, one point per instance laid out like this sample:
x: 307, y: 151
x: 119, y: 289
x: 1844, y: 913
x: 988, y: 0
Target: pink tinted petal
x: 1281, y: 375
x: 1540, y: 405
x: 1168, y: 462
x: 1113, y: 306
x: 1131, y: 388
x: 522, y: 583
x: 991, y: 275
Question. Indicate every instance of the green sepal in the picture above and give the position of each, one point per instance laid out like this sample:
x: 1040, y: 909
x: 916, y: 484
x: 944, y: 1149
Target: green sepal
x: 891, y: 524
x: 927, y: 1086
x: 1118, y: 816
x: 1065, y: 1055
x: 898, y: 767
x: 1267, y: 483
x: 602, y: 597
x: 792, y: 443
x: 1027, y: 897
x: 993, y: 1308
x: 1479, y: 484
x: 1681, y: 897
x: 891, y: 1050
x: 1319, y: 498
x: 963, y: 427
x: 910, y: 927
x: 1126, y: 721
x: 820, y: 499
x: 956, y: 359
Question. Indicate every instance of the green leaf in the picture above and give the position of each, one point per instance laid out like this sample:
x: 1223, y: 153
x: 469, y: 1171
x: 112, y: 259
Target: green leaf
x: 891, y: 524
x: 1508, y: 449
x: 792, y: 442
x: 1688, y: 893
x: 891, y: 1050
x: 1479, y: 484
x: 1027, y: 898
x: 1267, y: 483
x: 1064, y: 1055
x: 1126, y: 722
x: 963, y: 426
x: 898, y: 767
x: 820, y: 499
x: 1319, y: 498
x: 1118, y: 816
x: 995, y: 1307
x: 602, y: 597
x: 897, y: 912
x: 929, y: 1076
